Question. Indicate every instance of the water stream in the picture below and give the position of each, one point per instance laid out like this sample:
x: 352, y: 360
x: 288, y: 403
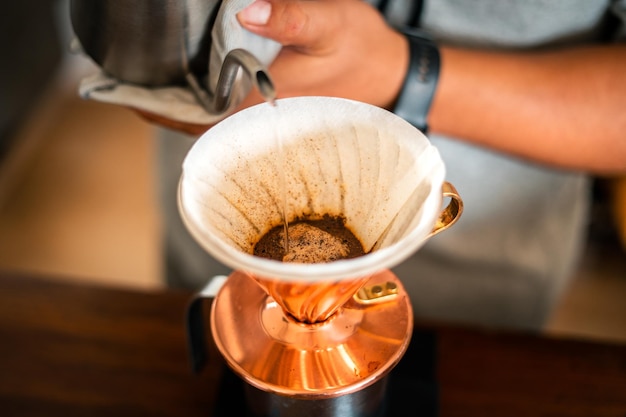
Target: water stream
x: 282, y: 173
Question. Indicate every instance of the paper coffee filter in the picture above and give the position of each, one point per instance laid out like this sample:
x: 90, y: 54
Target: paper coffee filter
x: 339, y: 157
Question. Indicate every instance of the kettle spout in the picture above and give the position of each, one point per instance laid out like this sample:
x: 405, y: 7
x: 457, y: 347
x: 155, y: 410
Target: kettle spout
x: 235, y: 59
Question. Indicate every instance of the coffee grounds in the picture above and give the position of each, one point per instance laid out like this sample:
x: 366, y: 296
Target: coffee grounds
x: 311, y: 241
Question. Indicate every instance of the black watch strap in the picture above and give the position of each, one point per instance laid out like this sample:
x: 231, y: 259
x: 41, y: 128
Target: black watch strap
x: 417, y: 92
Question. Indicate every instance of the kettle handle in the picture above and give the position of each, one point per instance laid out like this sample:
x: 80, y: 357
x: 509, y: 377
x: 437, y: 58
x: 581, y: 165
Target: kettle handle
x: 451, y: 212
x: 196, y: 340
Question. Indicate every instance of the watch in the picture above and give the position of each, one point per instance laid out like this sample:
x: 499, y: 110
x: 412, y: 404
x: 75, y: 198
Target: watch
x: 417, y: 92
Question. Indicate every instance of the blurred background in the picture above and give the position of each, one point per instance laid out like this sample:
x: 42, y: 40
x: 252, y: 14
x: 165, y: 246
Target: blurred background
x: 78, y: 196
x: 79, y: 191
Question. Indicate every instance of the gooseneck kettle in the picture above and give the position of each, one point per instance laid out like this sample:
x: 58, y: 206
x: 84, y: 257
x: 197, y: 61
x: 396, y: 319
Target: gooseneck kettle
x: 155, y: 43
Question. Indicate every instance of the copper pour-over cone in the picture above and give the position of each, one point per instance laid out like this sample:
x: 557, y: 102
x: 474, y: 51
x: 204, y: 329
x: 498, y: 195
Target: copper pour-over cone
x: 323, y: 329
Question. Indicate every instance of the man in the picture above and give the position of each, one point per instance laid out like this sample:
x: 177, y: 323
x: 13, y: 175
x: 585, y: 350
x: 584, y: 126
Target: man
x: 530, y: 99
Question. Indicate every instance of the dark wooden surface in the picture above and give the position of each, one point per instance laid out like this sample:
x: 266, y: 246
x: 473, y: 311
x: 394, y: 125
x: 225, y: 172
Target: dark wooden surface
x: 72, y: 350
x: 499, y: 374
x: 68, y: 350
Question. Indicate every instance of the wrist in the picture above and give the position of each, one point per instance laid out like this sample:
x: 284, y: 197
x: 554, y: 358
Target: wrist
x: 418, y: 89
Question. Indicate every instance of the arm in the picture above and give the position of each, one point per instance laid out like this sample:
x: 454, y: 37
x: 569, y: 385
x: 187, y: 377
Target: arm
x: 564, y: 107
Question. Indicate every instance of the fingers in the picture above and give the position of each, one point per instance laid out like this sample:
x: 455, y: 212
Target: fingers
x: 292, y: 23
x: 188, y: 128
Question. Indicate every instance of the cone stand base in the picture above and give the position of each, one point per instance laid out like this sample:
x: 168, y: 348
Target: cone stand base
x: 275, y: 353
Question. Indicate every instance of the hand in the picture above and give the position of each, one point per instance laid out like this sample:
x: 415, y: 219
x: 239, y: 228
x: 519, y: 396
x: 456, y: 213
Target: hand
x: 184, y: 127
x: 339, y: 48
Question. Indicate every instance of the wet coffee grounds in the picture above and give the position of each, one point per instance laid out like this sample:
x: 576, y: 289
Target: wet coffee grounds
x: 311, y: 241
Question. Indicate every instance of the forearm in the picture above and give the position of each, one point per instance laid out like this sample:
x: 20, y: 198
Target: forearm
x: 564, y: 108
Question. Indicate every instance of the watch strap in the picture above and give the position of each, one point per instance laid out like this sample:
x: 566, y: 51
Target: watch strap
x: 419, y: 86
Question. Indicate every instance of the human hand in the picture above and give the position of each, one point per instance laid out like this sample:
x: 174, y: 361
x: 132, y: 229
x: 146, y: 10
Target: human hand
x: 339, y: 48
x: 183, y: 127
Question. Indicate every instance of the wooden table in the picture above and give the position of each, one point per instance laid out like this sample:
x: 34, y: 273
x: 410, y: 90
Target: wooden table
x: 73, y: 350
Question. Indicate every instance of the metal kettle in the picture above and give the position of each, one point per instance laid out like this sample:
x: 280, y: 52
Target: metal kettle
x: 155, y: 43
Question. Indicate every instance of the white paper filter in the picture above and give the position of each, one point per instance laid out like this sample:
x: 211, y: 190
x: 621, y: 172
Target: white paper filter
x: 340, y: 157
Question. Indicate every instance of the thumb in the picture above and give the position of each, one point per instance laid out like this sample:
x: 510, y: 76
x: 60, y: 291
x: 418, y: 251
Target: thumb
x: 302, y: 24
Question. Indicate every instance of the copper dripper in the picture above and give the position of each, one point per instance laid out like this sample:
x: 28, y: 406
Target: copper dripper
x: 327, y: 330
